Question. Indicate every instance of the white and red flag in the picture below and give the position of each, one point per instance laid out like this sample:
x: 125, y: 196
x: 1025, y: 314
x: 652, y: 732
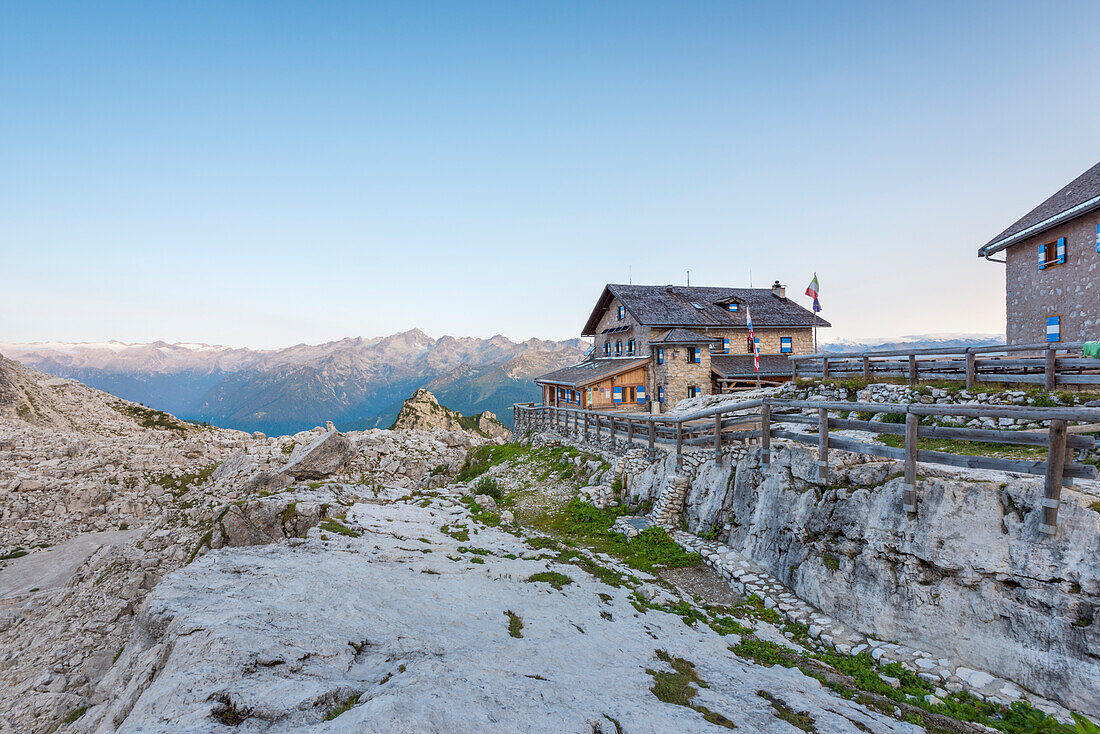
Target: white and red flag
x: 752, y: 338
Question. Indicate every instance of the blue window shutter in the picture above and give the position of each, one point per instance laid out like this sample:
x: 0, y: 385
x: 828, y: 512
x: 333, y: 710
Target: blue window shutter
x: 618, y: 396
x: 1054, y: 328
x: 1061, y: 251
x: 1098, y: 238
x: 660, y: 395
x: 641, y: 395
x: 1042, y: 257
x: 726, y: 345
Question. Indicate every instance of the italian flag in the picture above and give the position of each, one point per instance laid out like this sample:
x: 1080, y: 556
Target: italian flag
x: 811, y: 291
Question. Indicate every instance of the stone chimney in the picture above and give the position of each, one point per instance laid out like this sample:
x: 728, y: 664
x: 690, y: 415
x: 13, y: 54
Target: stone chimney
x: 778, y: 290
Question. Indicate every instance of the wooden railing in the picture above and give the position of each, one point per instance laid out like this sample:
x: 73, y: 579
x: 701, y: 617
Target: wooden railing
x: 1050, y: 365
x: 763, y: 420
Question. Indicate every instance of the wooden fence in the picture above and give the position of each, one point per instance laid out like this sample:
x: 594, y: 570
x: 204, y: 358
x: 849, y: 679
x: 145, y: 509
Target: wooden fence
x: 757, y: 420
x: 1050, y: 365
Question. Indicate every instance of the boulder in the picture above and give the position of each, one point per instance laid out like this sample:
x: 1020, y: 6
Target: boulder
x: 270, y: 519
x: 322, y: 458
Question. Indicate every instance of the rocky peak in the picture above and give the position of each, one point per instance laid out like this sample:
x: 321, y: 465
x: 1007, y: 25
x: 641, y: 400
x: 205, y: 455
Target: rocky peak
x: 422, y: 412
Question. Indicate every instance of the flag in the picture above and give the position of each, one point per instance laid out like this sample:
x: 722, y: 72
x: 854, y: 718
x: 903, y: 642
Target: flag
x: 812, y: 290
x: 752, y: 338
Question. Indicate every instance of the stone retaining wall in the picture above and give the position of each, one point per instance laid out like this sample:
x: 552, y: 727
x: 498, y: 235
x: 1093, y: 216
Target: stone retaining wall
x: 1020, y: 605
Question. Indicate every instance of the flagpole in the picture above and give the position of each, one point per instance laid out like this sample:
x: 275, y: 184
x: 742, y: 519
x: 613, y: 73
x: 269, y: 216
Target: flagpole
x: 815, y: 332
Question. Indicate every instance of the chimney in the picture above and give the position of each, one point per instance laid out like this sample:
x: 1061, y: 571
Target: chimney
x: 779, y: 291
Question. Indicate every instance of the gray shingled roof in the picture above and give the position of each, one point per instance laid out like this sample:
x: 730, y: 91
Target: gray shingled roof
x: 740, y: 365
x: 593, y: 370
x: 684, y: 336
x: 672, y: 306
x: 1081, y: 196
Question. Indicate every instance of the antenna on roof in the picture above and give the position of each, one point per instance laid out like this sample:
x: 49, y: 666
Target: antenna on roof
x: 630, y: 271
x: 750, y: 277
x: 689, y: 278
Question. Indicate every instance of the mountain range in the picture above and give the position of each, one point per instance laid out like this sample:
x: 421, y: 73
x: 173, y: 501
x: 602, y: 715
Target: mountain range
x: 355, y: 382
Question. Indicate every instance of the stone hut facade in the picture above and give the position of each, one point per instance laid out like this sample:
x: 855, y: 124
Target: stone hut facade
x: 656, y: 345
x: 1052, y: 267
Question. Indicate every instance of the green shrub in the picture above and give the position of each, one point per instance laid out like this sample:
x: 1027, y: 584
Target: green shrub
x: 491, y: 487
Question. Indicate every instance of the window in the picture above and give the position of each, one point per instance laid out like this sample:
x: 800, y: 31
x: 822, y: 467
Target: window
x: 693, y: 355
x: 619, y: 348
x: 622, y: 312
x: 785, y: 345
x: 733, y: 306
x: 630, y: 347
x: 660, y: 356
x: 748, y: 343
x: 607, y: 349
x: 1052, y: 253
x: 660, y: 394
x: 692, y: 391
x: 1054, y: 328
x: 697, y: 305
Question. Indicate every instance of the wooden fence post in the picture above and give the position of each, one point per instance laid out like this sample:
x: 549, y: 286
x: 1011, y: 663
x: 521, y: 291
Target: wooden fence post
x: 823, y: 444
x: 794, y: 370
x: 612, y: 419
x: 652, y: 440
x: 1056, y: 462
x: 630, y: 432
x: 586, y: 427
x: 912, y: 369
x: 971, y: 370
x: 824, y: 368
x: 866, y: 368
x: 718, y: 438
x: 1050, y: 371
x: 909, y: 496
x: 679, y: 444
x: 599, y: 428
x: 766, y: 434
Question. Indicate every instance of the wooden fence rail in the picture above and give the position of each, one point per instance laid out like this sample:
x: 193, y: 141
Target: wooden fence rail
x: 766, y: 418
x: 1050, y: 365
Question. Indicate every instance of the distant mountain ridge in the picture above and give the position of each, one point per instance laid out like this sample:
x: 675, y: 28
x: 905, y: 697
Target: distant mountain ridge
x: 356, y: 382
x: 913, y: 341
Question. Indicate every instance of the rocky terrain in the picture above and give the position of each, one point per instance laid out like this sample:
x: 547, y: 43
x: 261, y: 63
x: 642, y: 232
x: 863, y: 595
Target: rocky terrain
x: 424, y: 413
x: 167, y: 577
x: 355, y: 382
x: 100, y: 498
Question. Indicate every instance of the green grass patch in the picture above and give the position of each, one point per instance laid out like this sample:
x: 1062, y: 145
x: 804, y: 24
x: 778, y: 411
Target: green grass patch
x: 74, y: 715
x: 334, y: 526
x: 17, y: 553
x: 557, y: 580
x: 801, y: 720
x: 178, y: 484
x: 679, y: 687
x: 589, y: 525
x: 149, y: 418
x: 515, y: 624
x: 344, y: 706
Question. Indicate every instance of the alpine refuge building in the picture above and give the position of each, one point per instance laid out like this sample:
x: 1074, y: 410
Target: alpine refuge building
x: 656, y: 345
x: 1052, y: 266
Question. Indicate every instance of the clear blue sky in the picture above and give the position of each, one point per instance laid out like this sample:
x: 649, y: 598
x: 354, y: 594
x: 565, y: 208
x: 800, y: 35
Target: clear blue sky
x: 262, y: 174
